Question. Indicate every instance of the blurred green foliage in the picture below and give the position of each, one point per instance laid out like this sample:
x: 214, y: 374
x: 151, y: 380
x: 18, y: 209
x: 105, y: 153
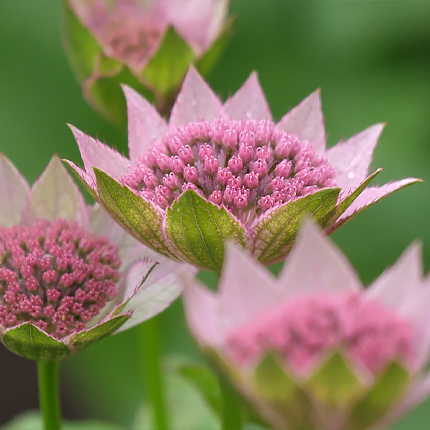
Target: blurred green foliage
x: 372, y: 61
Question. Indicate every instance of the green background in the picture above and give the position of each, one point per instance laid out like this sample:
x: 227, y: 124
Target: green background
x: 372, y: 62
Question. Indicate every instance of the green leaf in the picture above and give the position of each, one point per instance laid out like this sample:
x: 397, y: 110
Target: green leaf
x: 274, y: 234
x: 206, y: 383
x: 384, y: 394
x: 335, y: 383
x: 33, y: 421
x: 197, y: 229
x: 80, y: 45
x: 166, y: 69
x: 29, y: 342
x: 206, y: 63
x: 136, y: 215
x: 83, y: 339
x: 346, y: 203
x: 284, y: 395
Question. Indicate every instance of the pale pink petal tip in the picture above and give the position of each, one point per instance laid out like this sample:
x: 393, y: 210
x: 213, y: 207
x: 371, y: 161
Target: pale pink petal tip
x: 316, y: 265
x: 306, y: 120
x: 97, y: 154
x: 241, y: 277
x: 14, y: 191
x: 196, y: 101
x: 351, y: 159
x: 144, y: 123
x: 370, y: 196
x: 248, y: 102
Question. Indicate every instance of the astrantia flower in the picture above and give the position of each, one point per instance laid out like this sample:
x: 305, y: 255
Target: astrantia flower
x: 147, y: 44
x: 218, y: 172
x: 69, y: 275
x: 314, y: 349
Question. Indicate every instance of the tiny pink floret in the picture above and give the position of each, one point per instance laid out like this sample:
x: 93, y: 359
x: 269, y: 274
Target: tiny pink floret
x: 302, y: 329
x: 55, y: 275
x: 248, y: 166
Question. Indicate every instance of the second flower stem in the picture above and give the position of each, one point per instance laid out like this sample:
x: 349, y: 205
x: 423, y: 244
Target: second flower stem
x: 231, y: 413
x: 47, y: 375
x: 150, y: 356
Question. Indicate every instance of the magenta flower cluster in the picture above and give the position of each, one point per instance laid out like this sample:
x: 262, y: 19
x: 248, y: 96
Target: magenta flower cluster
x: 246, y: 166
x: 55, y: 275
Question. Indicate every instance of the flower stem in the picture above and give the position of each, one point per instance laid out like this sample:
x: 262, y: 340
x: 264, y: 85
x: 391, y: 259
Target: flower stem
x: 150, y: 352
x: 47, y: 375
x: 231, y: 416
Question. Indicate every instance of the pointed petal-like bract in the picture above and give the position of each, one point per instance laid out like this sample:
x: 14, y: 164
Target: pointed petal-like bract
x: 196, y: 101
x: 316, y: 265
x: 14, y: 191
x: 96, y: 154
x: 55, y: 196
x: 371, y: 195
x: 202, y: 311
x: 307, y: 121
x: 398, y: 282
x: 351, y: 159
x: 248, y: 102
x: 144, y: 123
x: 246, y: 288
x: 159, y: 289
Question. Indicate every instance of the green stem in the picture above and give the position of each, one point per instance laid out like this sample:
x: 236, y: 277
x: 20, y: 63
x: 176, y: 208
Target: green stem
x: 150, y: 352
x: 231, y: 415
x: 47, y: 375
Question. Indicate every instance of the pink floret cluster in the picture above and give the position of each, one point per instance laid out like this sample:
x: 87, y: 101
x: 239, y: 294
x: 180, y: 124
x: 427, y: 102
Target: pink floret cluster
x: 304, y: 328
x: 248, y: 166
x: 55, y: 275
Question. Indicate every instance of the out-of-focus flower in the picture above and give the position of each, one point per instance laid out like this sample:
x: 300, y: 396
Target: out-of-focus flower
x: 314, y: 349
x: 147, y: 44
x: 218, y: 172
x: 69, y: 275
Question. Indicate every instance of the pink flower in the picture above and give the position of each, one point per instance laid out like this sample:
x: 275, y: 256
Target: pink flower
x: 148, y: 44
x: 69, y: 275
x: 227, y: 171
x: 314, y: 347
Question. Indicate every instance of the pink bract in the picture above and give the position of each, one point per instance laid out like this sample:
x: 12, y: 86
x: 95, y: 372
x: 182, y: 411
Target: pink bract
x: 255, y: 178
x: 69, y: 275
x: 331, y: 342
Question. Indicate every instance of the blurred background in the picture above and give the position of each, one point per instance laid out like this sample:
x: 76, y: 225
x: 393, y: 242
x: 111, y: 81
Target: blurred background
x: 372, y: 62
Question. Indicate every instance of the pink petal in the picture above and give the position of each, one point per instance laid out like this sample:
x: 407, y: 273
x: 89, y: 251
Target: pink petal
x: 316, y: 266
x: 97, y: 154
x: 246, y: 288
x: 398, y: 282
x: 370, y: 196
x: 83, y: 174
x: 55, y: 196
x: 14, y: 190
x: 156, y: 293
x: 195, y: 102
x: 202, y: 312
x: 307, y: 121
x: 198, y: 22
x: 351, y: 159
x: 144, y: 123
x: 249, y: 101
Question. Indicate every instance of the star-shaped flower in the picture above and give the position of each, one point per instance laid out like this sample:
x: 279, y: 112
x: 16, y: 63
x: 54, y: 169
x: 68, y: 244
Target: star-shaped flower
x: 314, y: 348
x: 69, y: 275
x: 226, y: 171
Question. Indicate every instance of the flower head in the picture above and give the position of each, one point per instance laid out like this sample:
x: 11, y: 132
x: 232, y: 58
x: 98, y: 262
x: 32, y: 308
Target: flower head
x: 68, y: 274
x: 315, y: 349
x: 220, y: 171
x: 147, y: 44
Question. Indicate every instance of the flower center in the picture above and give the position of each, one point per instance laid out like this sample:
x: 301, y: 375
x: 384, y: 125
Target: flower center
x: 55, y: 275
x: 302, y: 329
x: 247, y: 166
